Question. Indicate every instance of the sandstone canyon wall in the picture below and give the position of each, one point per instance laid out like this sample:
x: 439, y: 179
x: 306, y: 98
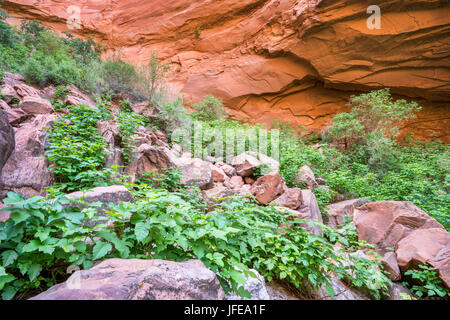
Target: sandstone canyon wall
x: 296, y: 61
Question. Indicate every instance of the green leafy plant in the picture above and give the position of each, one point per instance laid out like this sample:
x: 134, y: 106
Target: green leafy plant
x: 59, y: 97
x: 210, y: 108
x: 40, y: 240
x: 427, y: 284
x: 128, y: 122
x: 76, y: 149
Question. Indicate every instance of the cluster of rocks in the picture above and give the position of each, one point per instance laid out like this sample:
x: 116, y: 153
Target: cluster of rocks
x: 404, y: 235
x: 26, y: 114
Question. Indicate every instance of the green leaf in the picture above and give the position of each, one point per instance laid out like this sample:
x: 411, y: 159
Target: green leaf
x: 141, y: 231
x: 19, y: 216
x: 4, y: 279
x: 34, y: 271
x: 9, y: 292
x: 33, y: 245
x: 329, y: 289
x: 8, y: 257
x: 101, y: 249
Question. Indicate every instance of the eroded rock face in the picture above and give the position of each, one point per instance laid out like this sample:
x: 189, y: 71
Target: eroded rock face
x: 296, y: 61
x: 134, y: 279
x: 7, y: 142
x: 26, y: 171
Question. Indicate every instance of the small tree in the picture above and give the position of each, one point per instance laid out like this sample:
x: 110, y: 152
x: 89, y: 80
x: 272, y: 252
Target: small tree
x: 152, y: 79
x: 372, y: 113
x: 372, y: 126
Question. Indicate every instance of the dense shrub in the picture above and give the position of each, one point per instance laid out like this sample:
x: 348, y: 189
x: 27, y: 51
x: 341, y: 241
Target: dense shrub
x: 76, y: 149
x: 209, y: 109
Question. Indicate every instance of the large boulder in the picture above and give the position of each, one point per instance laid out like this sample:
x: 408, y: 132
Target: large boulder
x: 76, y: 97
x: 26, y: 171
x: 8, y: 92
x: 339, y: 212
x: 291, y: 199
x: 217, y: 194
x: 267, y: 188
x: 390, y: 265
x: 219, y: 175
x: 12, y: 79
x: 245, y: 164
x: 7, y: 141
x: 134, y: 279
x: 196, y: 172
x: 385, y: 223
x: 235, y: 183
x: 310, y: 210
x: 399, y: 292
x: 36, y: 105
x: 24, y: 90
x: 15, y: 116
x: 144, y: 108
x: 268, y: 164
x: 426, y: 247
x: 306, y: 177
x: 150, y: 158
x: 105, y: 195
x: 229, y: 170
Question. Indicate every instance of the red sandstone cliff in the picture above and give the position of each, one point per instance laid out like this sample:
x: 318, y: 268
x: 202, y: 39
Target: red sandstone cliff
x: 296, y: 61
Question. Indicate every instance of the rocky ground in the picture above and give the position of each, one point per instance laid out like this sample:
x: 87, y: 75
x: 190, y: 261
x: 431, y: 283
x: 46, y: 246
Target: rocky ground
x: 404, y: 235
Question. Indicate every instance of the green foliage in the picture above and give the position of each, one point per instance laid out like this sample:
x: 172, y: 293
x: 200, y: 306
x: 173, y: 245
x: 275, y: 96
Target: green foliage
x: 151, y: 80
x: 428, y: 283
x: 59, y: 97
x: 75, y: 149
x: 372, y: 126
x: 167, y: 179
x: 172, y: 115
x: 125, y: 106
x: 236, y: 234
x: 209, y: 109
x: 128, y: 122
x: 40, y: 240
x: 119, y: 77
x: 324, y: 197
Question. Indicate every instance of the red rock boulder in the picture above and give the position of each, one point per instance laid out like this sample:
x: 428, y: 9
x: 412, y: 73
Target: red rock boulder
x: 267, y: 188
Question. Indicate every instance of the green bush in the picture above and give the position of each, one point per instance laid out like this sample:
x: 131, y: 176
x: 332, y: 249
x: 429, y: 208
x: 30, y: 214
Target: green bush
x: 209, y: 109
x: 76, y: 149
x: 119, y: 77
x: 428, y: 283
x: 42, y: 239
x: 128, y: 122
